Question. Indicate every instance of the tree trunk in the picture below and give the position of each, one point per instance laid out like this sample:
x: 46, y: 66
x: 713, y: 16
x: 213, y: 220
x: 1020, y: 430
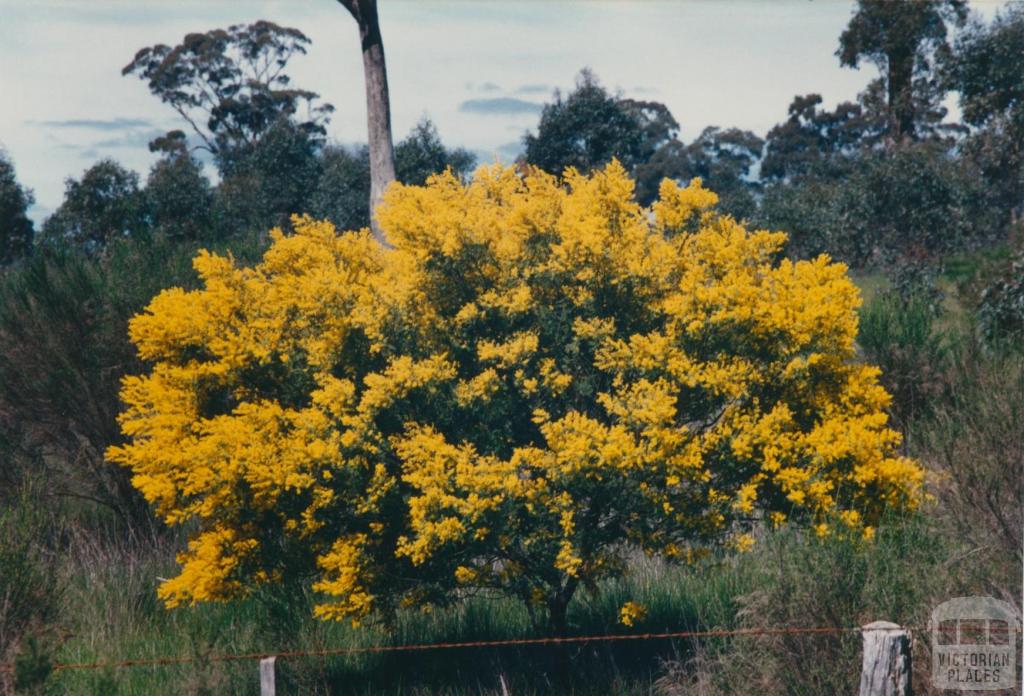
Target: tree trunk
x: 558, y: 622
x: 901, y: 97
x: 378, y: 109
x: 558, y: 608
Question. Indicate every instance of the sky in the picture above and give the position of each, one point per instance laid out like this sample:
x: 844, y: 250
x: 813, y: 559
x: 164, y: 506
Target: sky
x: 479, y: 69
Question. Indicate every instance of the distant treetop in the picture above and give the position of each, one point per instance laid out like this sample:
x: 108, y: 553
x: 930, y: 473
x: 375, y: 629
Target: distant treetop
x: 230, y: 85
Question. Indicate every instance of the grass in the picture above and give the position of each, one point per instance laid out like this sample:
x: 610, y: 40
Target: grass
x: 111, y: 598
x: 790, y: 579
x: 870, y: 282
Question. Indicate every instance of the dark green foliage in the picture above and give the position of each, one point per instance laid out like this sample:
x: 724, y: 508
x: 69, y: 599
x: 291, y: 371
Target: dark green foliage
x: 102, y: 206
x: 816, y: 143
x: 422, y: 154
x: 1001, y: 304
x: 904, y: 40
x: 807, y: 212
x: 16, y: 229
x: 63, y: 349
x: 234, y: 80
x: 266, y: 182
x: 987, y: 69
x: 179, y: 198
x: 996, y: 151
x: 342, y: 193
x: 585, y: 130
x: 913, y: 203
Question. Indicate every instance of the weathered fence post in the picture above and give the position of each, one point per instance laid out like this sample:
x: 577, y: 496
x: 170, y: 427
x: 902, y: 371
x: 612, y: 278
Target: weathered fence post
x: 267, y: 687
x: 886, y: 667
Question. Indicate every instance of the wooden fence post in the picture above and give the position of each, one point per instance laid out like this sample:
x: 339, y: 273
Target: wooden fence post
x: 886, y: 667
x: 267, y: 687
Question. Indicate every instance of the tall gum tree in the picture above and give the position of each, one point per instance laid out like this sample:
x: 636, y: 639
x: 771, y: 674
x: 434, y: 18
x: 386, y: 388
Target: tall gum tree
x: 378, y: 110
x: 903, y: 39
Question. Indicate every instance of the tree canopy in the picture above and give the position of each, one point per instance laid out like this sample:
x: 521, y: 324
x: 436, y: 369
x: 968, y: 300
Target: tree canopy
x: 812, y: 137
x: 987, y: 70
x: 587, y: 128
x: 905, y: 40
x: 179, y: 199
x: 104, y: 204
x: 422, y: 154
x: 230, y: 84
x: 16, y: 229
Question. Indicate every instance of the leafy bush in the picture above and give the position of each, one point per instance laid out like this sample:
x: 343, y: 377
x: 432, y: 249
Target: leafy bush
x: 1001, y: 305
x: 63, y: 350
x: 916, y: 201
x: 342, y: 193
x: 586, y: 129
x: 807, y: 212
x: 266, y: 181
x: 422, y: 154
x: 179, y: 198
x: 537, y: 374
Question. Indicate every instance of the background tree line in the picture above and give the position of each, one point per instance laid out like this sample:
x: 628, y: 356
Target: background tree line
x: 912, y: 183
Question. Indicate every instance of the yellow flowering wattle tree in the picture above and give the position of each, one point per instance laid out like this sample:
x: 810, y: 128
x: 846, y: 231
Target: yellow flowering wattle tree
x: 538, y: 376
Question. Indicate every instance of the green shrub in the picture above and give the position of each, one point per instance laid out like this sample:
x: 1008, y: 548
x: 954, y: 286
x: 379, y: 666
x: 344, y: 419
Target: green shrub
x: 1001, y: 304
x: 913, y: 202
x: 63, y: 350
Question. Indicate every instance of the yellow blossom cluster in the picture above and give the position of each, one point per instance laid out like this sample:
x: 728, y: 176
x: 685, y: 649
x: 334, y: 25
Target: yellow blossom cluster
x: 537, y: 374
x: 631, y: 612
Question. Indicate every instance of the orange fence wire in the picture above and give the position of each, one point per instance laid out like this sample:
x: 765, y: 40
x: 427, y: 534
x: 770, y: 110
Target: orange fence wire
x: 326, y: 652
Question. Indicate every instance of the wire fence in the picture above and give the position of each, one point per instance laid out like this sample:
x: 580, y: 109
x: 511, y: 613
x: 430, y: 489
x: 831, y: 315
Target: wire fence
x: 421, y: 647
